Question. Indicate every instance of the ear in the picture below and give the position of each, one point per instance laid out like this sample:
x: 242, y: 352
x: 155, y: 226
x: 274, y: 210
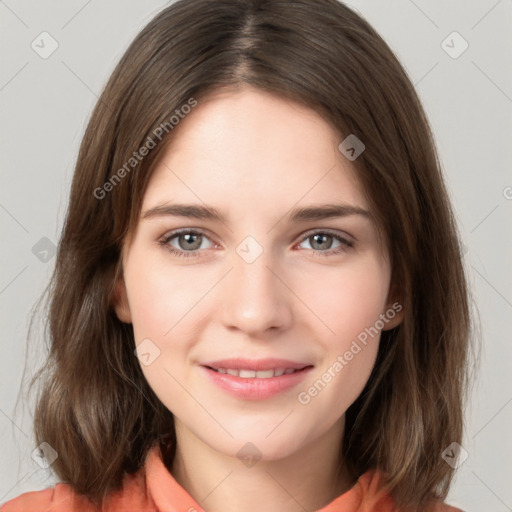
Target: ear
x: 120, y: 301
x: 394, y: 313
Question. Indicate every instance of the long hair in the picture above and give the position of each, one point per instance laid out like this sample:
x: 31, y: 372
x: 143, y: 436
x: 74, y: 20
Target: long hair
x: 95, y: 407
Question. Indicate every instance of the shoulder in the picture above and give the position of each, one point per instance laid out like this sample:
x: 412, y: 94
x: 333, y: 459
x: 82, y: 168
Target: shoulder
x: 56, y: 499
x: 443, y: 507
x: 372, y: 494
x: 132, y: 497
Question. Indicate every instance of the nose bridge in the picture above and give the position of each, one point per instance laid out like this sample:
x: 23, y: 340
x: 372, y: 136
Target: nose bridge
x: 255, y: 298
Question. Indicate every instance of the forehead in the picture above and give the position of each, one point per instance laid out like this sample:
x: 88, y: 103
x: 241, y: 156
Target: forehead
x: 252, y: 150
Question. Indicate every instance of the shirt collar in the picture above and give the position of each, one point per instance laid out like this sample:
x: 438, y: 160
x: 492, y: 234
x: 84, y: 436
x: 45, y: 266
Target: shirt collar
x: 169, y: 496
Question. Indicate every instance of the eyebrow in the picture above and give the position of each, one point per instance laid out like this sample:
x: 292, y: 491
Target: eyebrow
x: 311, y: 213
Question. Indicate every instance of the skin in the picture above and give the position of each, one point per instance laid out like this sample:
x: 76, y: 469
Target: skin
x: 255, y: 156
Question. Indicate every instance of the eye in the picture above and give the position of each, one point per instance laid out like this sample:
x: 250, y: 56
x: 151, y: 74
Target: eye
x: 187, y: 243
x: 184, y: 243
x: 322, y: 242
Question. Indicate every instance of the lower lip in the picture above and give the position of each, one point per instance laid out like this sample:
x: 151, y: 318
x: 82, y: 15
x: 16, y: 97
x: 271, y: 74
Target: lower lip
x: 256, y: 389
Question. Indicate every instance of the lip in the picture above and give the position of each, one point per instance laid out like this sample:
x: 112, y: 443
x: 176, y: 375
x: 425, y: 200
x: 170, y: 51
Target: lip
x: 254, y: 388
x: 255, y: 364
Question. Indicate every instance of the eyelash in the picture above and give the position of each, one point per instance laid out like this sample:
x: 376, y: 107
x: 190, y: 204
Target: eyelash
x: 188, y: 254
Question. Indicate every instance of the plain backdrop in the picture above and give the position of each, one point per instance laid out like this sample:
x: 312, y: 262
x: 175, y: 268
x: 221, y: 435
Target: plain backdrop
x: 46, y: 101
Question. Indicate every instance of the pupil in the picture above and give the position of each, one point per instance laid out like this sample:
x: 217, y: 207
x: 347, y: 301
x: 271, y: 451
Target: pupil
x: 324, y: 237
x: 190, y: 241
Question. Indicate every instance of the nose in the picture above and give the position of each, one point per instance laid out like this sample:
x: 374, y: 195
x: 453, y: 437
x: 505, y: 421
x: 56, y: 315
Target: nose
x: 255, y: 297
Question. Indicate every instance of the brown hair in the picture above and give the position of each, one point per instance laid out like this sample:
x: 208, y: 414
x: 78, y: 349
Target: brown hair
x: 95, y: 407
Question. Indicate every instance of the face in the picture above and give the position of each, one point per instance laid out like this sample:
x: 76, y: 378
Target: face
x: 266, y: 278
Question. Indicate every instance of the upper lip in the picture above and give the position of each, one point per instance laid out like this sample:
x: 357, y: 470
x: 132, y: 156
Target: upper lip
x: 255, y: 364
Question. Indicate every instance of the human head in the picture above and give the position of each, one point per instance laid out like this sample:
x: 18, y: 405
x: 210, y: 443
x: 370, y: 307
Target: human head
x: 252, y: 288
x: 345, y: 72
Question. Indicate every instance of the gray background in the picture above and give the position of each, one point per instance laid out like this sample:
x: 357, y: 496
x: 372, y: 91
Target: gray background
x: 45, y: 104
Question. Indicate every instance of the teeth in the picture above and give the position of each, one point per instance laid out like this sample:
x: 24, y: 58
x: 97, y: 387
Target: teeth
x: 247, y: 374
x: 261, y: 374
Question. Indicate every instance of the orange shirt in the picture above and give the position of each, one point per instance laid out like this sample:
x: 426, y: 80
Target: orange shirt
x: 154, y: 489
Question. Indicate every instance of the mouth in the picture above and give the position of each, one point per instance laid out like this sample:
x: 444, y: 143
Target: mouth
x: 251, y: 379
x: 256, y: 374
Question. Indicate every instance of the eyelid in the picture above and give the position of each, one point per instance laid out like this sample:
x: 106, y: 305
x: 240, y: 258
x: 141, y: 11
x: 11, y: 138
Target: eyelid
x: 165, y: 238
x: 329, y: 231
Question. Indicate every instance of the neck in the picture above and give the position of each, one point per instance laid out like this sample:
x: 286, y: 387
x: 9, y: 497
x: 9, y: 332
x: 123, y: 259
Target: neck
x: 307, y: 479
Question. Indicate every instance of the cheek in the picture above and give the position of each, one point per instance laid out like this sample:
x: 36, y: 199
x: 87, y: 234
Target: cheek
x: 350, y: 299
x: 351, y: 310
x: 161, y: 300
x: 161, y: 297
x: 168, y: 306
x: 349, y: 305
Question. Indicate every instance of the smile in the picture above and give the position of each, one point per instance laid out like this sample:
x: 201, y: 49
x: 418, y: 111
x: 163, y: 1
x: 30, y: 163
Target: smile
x: 252, y: 374
x: 250, y: 384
